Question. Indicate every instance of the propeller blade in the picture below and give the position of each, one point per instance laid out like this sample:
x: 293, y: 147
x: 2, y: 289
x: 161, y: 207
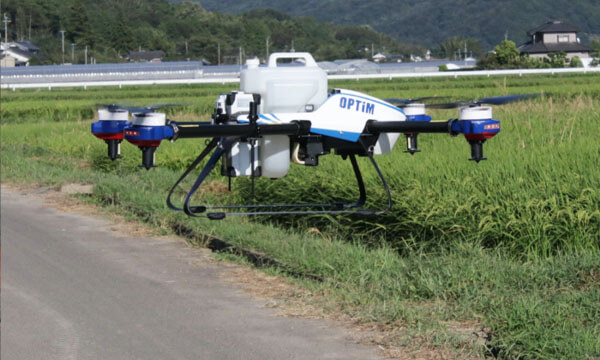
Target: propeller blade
x: 151, y: 108
x: 400, y: 101
x: 501, y: 100
x: 494, y: 100
x: 113, y: 107
x: 448, y: 105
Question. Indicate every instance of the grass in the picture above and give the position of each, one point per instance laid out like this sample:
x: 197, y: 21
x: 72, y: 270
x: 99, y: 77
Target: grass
x: 510, y: 246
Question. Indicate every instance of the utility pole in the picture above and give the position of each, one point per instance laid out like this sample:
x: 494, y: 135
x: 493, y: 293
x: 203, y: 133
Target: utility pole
x: 6, y: 21
x: 292, y: 49
x: 372, y: 50
x: 72, y: 53
x: 186, y: 48
x: 267, y: 46
x: 240, y: 57
x: 85, y: 54
x: 218, y: 53
x: 62, y: 36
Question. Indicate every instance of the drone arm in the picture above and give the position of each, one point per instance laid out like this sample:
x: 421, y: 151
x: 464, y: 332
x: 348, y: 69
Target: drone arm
x: 208, y: 130
x: 377, y: 127
x: 476, y: 131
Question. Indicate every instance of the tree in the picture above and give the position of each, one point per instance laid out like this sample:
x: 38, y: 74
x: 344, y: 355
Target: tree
x: 575, y: 62
x: 595, y: 52
x: 78, y: 25
x: 507, y: 53
x: 558, y: 59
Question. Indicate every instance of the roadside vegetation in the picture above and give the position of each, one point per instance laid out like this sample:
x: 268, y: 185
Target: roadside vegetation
x: 497, y: 259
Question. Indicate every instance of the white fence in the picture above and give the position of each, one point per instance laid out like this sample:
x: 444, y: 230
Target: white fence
x: 235, y: 78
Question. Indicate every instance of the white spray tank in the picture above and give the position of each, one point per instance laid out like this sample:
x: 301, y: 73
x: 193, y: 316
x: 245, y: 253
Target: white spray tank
x: 283, y: 89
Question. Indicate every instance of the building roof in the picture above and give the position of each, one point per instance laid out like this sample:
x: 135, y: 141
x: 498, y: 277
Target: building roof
x: 554, y: 27
x: 537, y: 48
x: 19, y: 54
x: 26, y: 45
x: 146, y: 55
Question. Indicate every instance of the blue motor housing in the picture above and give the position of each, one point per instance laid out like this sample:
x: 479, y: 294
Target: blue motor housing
x: 146, y: 132
x: 421, y: 117
x: 148, y: 135
x: 477, y: 124
x: 109, y: 129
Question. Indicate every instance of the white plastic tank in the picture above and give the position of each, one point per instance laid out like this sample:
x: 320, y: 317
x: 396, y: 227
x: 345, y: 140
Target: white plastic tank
x: 283, y: 89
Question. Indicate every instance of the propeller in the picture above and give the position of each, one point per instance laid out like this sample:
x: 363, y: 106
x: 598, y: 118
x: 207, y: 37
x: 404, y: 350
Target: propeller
x: 136, y: 109
x: 113, y: 107
x: 494, y: 100
x: 402, y: 102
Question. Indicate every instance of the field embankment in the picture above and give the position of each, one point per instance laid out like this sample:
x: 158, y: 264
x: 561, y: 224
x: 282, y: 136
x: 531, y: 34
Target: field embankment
x: 508, y: 248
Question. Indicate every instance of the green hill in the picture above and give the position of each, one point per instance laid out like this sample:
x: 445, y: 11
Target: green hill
x: 429, y: 22
x: 112, y: 28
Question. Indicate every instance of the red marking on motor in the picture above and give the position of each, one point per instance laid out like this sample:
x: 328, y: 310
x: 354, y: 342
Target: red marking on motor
x: 480, y: 136
x: 109, y: 136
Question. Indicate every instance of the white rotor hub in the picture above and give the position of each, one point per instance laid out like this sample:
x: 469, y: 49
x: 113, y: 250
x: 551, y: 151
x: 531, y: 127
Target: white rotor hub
x: 117, y: 115
x: 149, y: 119
x: 414, y: 109
x: 475, y: 113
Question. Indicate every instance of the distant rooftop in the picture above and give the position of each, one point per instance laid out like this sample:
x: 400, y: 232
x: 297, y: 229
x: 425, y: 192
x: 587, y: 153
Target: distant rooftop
x: 554, y: 27
x: 543, y: 48
x: 146, y: 55
x: 29, y: 46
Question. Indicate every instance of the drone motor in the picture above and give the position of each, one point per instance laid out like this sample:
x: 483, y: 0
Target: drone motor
x: 414, y: 112
x: 146, y: 132
x: 477, y: 124
x: 109, y: 127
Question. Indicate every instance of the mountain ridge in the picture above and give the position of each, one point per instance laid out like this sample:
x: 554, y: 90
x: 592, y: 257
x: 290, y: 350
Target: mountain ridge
x: 430, y: 22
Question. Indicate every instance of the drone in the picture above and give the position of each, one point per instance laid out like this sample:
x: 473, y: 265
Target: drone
x: 286, y: 114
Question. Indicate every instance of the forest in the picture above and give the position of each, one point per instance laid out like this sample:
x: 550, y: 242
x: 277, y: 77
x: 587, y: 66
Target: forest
x: 111, y: 29
x: 430, y: 22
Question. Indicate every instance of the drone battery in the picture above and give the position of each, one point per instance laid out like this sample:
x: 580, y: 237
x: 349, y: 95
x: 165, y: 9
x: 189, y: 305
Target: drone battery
x: 236, y: 162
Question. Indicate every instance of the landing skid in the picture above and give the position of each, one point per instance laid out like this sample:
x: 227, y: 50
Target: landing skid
x: 223, y: 145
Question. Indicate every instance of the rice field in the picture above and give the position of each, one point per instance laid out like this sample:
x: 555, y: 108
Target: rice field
x: 511, y: 243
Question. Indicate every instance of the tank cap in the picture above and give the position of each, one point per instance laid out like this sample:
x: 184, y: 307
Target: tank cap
x: 252, y: 63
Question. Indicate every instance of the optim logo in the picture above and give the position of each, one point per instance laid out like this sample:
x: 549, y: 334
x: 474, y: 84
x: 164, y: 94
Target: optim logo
x: 357, y: 105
